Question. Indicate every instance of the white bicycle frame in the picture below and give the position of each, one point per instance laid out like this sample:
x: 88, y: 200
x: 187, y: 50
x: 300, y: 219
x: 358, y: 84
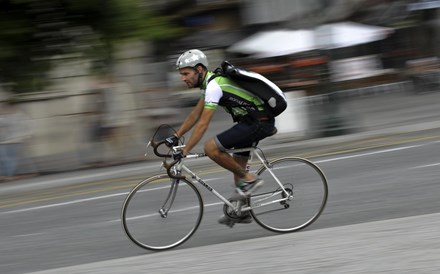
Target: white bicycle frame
x: 180, y: 166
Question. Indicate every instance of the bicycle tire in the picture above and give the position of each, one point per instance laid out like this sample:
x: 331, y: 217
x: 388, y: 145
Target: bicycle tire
x: 150, y: 228
x: 301, y: 178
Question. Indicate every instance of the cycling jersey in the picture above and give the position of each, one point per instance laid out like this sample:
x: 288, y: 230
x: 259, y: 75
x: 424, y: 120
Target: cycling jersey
x: 221, y: 91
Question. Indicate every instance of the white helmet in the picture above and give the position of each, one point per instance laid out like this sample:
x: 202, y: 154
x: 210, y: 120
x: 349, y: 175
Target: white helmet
x: 191, y: 58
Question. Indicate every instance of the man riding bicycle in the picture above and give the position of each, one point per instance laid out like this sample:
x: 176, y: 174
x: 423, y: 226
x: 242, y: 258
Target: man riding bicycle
x: 253, y: 122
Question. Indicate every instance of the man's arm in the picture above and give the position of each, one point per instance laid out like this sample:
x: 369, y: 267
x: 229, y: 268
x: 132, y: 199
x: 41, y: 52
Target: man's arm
x: 192, y: 118
x: 199, y: 130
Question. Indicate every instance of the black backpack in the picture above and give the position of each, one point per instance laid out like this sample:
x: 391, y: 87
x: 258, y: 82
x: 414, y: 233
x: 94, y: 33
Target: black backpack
x: 271, y: 94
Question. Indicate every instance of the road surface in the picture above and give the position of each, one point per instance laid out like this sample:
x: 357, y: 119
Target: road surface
x: 382, y: 215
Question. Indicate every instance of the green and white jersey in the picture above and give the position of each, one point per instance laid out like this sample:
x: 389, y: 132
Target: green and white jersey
x: 221, y: 91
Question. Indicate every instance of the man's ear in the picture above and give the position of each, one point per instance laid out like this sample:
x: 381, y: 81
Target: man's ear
x: 199, y: 69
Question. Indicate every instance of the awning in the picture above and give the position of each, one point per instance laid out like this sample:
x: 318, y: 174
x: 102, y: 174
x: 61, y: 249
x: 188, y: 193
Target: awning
x: 275, y: 43
x: 346, y: 34
x: 286, y: 42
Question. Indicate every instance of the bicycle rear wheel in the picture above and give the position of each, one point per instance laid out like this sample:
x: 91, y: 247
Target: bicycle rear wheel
x: 161, y: 213
x: 306, y: 197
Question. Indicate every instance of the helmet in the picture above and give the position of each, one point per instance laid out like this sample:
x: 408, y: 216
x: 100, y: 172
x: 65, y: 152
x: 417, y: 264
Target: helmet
x: 191, y: 58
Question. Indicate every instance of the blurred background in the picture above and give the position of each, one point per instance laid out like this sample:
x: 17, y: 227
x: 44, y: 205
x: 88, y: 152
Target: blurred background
x: 84, y: 83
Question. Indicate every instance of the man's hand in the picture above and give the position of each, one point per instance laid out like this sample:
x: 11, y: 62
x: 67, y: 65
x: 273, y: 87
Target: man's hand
x: 172, y: 141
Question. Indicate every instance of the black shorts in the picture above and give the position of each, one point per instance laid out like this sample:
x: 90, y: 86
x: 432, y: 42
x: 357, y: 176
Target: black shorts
x: 245, y: 134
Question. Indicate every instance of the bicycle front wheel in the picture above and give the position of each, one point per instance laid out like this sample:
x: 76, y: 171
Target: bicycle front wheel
x: 161, y: 213
x: 299, y: 204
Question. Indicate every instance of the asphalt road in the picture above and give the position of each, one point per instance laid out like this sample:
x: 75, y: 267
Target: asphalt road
x: 73, y: 218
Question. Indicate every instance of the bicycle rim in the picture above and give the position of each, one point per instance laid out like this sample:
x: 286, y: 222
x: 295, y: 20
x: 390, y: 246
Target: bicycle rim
x: 307, y: 188
x: 155, y: 220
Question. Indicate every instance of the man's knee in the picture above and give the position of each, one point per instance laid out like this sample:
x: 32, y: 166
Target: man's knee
x: 211, y: 148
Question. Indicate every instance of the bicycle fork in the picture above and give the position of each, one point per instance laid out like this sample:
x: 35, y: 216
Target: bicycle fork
x: 163, y: 211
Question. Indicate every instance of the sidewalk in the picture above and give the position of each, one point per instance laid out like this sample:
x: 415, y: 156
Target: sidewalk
x: 405, y: 245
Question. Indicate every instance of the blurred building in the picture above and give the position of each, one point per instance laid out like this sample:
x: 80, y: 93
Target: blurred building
x: 214, y: 25
x: 410, y: 54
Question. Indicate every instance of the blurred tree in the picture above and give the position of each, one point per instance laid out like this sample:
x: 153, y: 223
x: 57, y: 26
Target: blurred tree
x: 33, y: 33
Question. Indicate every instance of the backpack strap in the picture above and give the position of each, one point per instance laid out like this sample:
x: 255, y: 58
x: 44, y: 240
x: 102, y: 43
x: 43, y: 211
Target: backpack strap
x: 217, y: 72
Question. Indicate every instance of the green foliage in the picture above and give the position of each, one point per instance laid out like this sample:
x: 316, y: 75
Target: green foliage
x: 33, y: 32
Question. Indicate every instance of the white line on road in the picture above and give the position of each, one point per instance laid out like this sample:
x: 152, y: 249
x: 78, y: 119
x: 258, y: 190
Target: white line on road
x: 423, y: 166
x: 79, y: 201
x: 30, y: 235
x: 367, y: 154
x: 155, y: 214
x: 64, y: 203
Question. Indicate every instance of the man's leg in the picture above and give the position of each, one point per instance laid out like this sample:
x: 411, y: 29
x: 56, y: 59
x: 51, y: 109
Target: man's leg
x: 223, y: 159
x: 237, y: 165
x: 242, y: 161
x: 241, y: 135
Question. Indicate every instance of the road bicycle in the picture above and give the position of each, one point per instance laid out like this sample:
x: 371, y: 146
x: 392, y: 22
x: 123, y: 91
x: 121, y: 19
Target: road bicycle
x: 164, y: 211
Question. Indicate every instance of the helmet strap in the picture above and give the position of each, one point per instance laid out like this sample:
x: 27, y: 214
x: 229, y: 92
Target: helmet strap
x: 199, y: 82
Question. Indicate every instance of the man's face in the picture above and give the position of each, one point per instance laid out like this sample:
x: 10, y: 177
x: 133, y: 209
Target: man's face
x: 189, y: 76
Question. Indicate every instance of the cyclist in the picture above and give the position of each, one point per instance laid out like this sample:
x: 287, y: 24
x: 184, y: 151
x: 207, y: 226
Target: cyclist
x: 253, y: 123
